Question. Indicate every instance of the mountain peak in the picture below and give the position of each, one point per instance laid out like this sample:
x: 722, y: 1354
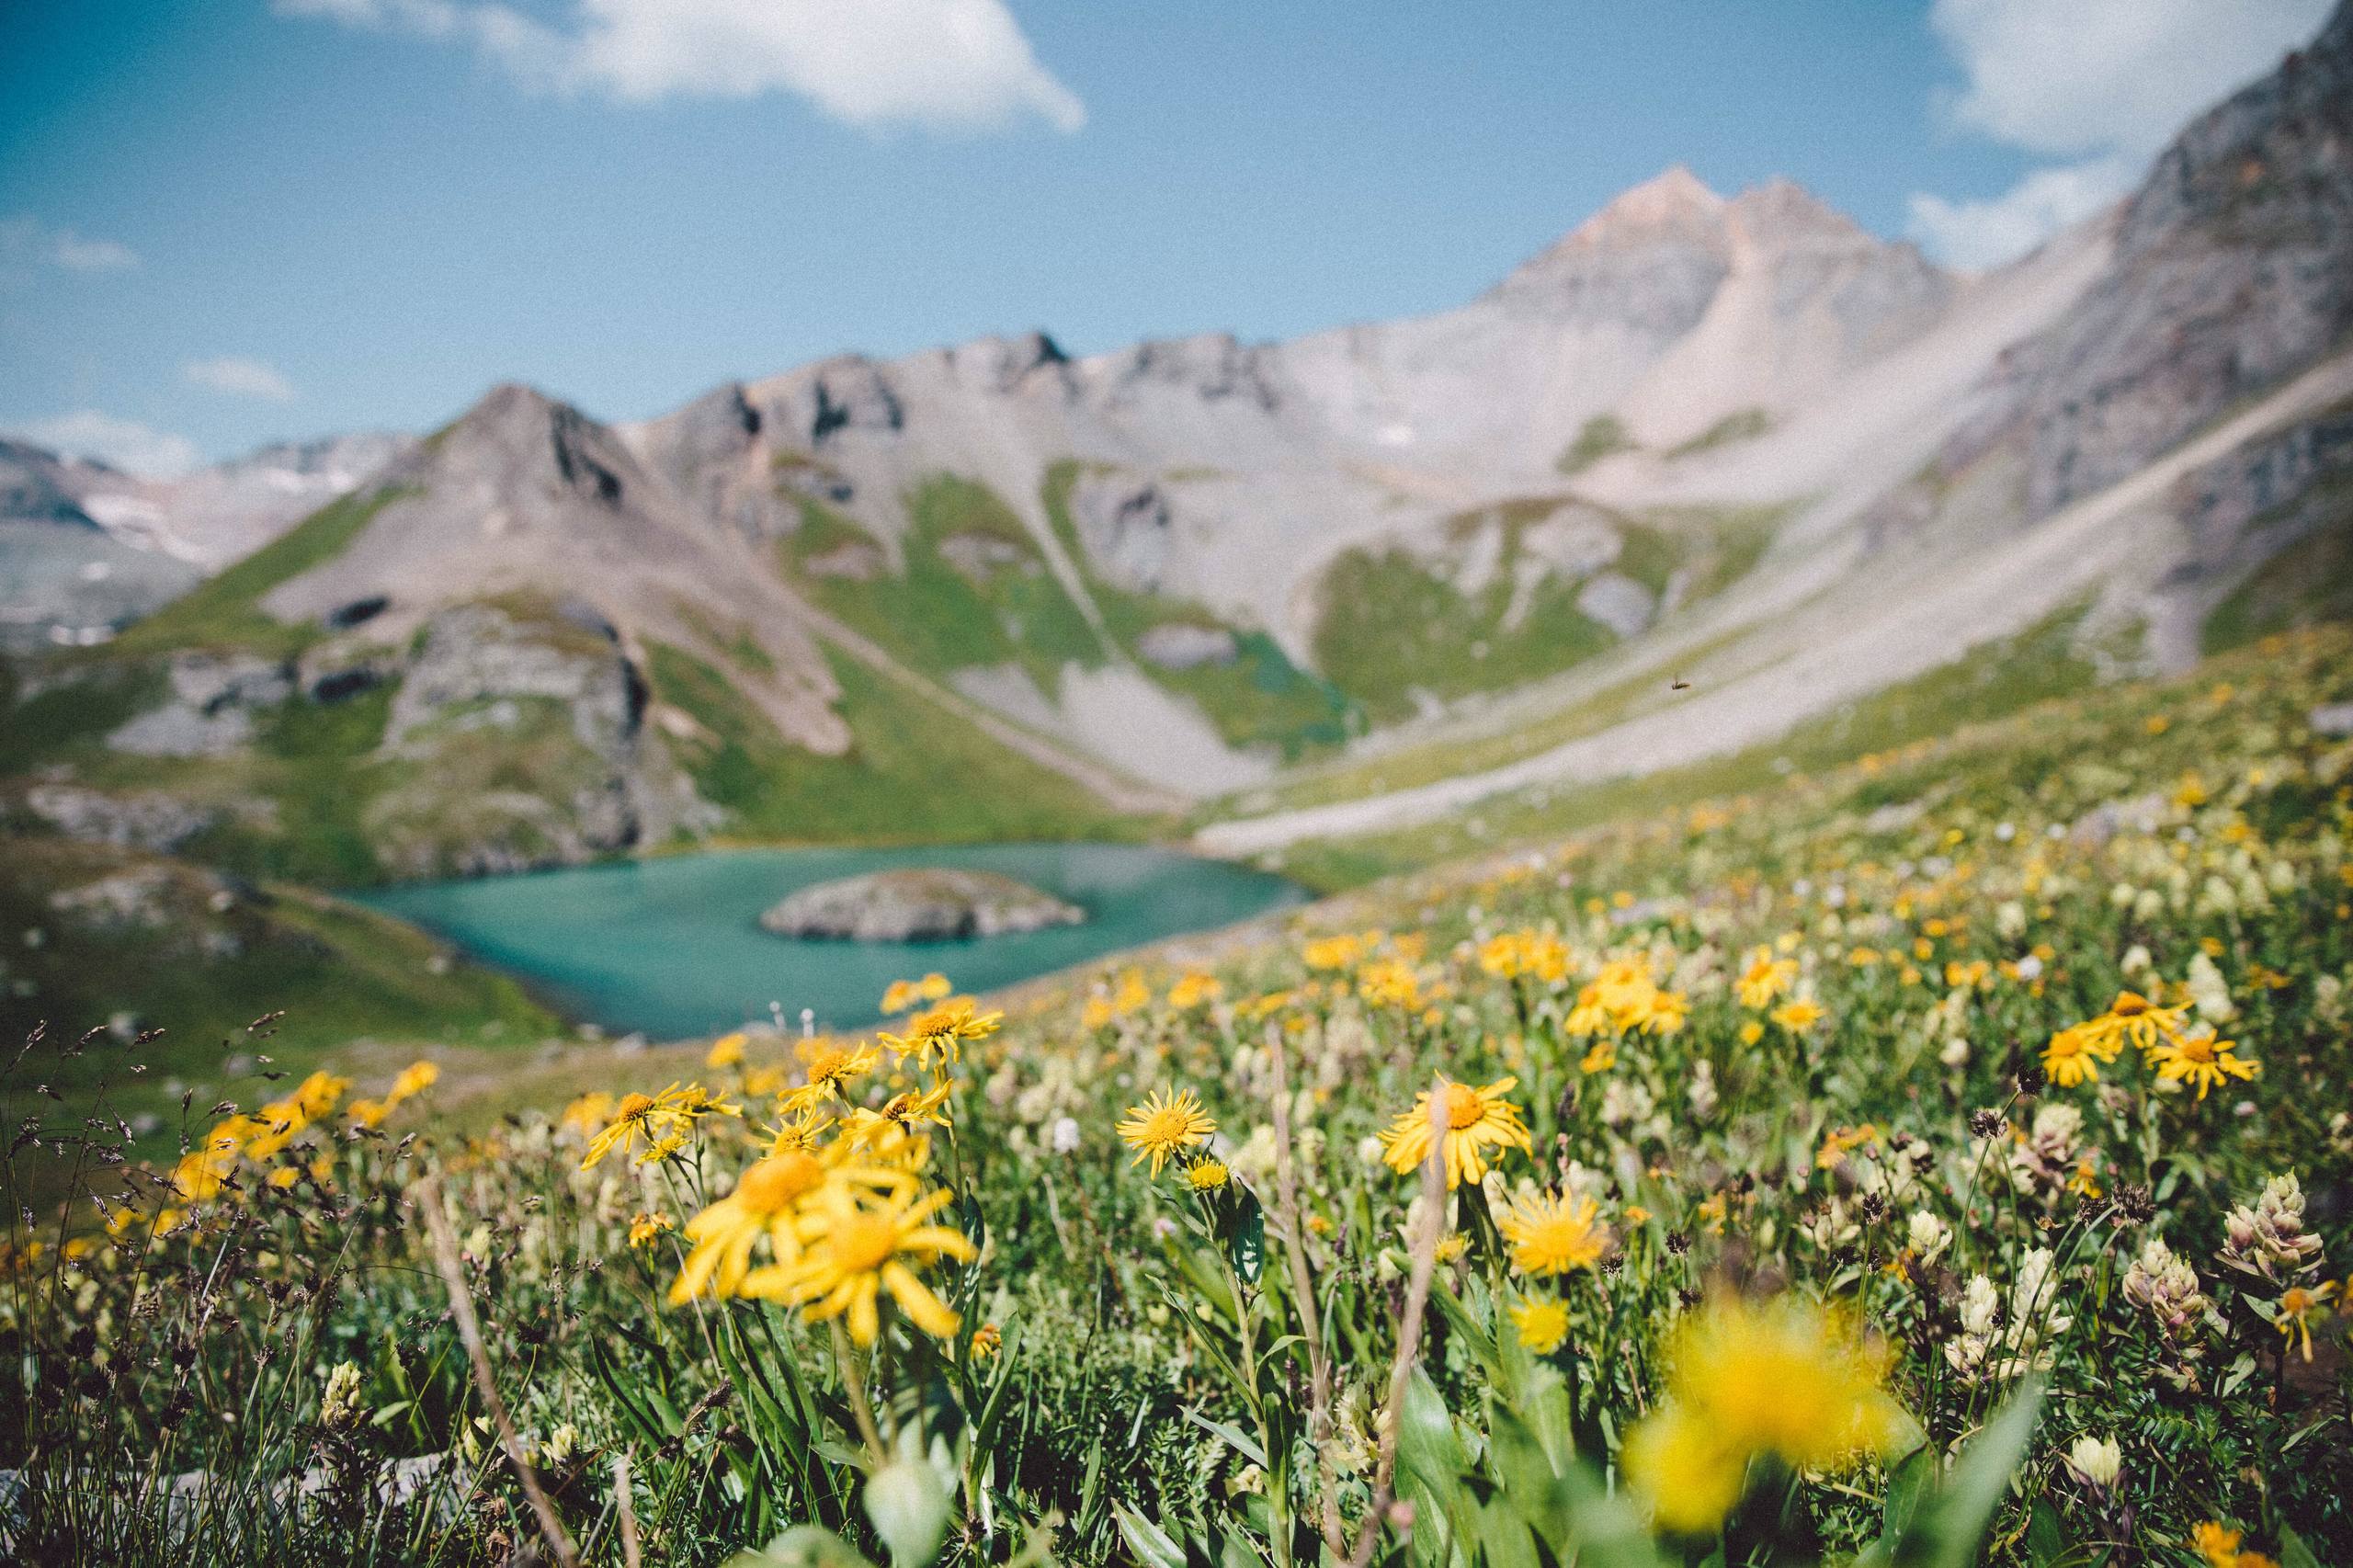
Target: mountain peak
x: 1781, y: 210
x: 1673, y: 197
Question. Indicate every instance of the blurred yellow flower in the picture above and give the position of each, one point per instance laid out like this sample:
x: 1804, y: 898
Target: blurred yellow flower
x: 1331, y: 952
x: 1780, y: 1378
x: 1192, y: 989
x: 1390, y: 983
x: 1797, y: 1016
x: 854, y: 1249
x: 2220, y: 1548
x: 1551, y: 1235
x: 1543, y: 1323
x: 725, y: 1052
x: 1765, y: 978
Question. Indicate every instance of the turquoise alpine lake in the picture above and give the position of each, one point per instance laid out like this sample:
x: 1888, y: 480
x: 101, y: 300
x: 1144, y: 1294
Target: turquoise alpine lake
x: 673, y: 946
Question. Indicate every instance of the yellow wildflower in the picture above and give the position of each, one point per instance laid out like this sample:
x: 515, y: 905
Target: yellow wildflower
x: 725, y: 1052
x: 2296, y: 1306
x: 765, y: 1204
x: 1748, y: 1378
x: 1765, y: 978
x: 1543, y: 1323
x: 1798, y: 1014
x: 2202, y: 1060
x: 1206, y: 1176
x: 853, y: 1250
x: 1192, y: 989
x: 942, y: 1030
x: 827, y: 1067
x: 2135, y: 1018
x: 1477, y: 1120
x: 2075, y: 1052
x: 2220, y: 1547
x: 1550, y: 1235
x: 1163, y: 1125
x: 588, y: 1113
x: 1390, y: 983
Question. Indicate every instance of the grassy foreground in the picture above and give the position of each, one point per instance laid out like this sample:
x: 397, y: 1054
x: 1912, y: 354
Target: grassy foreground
x: 1937, y: 1159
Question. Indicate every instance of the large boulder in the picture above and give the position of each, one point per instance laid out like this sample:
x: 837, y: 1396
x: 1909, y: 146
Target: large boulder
x: 930, y: 904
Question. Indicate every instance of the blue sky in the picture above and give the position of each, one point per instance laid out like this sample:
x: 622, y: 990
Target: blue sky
x: 229, y: 222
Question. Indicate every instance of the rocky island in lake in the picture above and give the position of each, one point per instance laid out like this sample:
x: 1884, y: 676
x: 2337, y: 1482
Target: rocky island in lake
x: 918, y: 905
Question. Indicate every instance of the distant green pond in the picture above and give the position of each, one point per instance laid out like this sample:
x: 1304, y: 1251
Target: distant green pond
x: 674, y: 946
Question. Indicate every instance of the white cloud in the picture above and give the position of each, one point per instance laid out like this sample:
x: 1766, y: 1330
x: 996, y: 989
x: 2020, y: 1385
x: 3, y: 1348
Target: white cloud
x: 2103, y: 83
x: 949, y: 65
x: 120, y: 443
x: 240, y: 376
x: 26, y: 238
x: 1989, y: 233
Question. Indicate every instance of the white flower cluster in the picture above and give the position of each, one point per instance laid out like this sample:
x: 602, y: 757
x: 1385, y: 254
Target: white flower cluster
x: 2006, y: 1338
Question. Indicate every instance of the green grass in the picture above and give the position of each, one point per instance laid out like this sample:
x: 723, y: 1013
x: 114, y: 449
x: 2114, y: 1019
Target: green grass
x: 1740, y: 537
x: 2310, y: 581
x: 932, y: 616
x: 1988, y: 683
x: 225, y: 611
x: 1260, y: 699
x: 914, y: 773
x: 1601, y: 435
x: 340, y: 972
x: 1741, y: 425
x: 1391, y: 627
x: 92, y: 699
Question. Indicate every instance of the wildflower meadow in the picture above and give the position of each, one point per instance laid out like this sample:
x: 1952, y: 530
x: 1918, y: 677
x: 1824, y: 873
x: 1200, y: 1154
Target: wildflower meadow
x: 1942, y: 1158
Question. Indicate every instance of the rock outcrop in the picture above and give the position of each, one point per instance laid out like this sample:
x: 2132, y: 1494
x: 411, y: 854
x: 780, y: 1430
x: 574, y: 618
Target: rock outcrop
x: 932, y: 904
x: 2232, y: 271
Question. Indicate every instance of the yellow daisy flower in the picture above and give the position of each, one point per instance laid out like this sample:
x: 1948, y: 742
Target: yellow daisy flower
x: 1543, y: 1323
x: 1550, y: 1235
x: 943, y: 1030
x: 2202, y: 1060
x: 2135, y: 1018
x: 1477, y: 1120
x: 766, y: 1204
x: 828, y: 1066
x: 1165, y: 1125
x: 2075, y: 1052
x: 853, y: 1250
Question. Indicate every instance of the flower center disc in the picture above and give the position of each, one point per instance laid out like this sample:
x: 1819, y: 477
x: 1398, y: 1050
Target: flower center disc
x: 863, y: 1245
x: 1463, y: 1106
x: 772, y: 1186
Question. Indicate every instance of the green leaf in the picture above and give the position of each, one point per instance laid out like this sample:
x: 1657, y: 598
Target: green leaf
x: 1151, y: 1544
x: 1953, y: 1524
x: 1235, y: 1439
x: 2044, y: 1540
x: 1246, y: 1242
